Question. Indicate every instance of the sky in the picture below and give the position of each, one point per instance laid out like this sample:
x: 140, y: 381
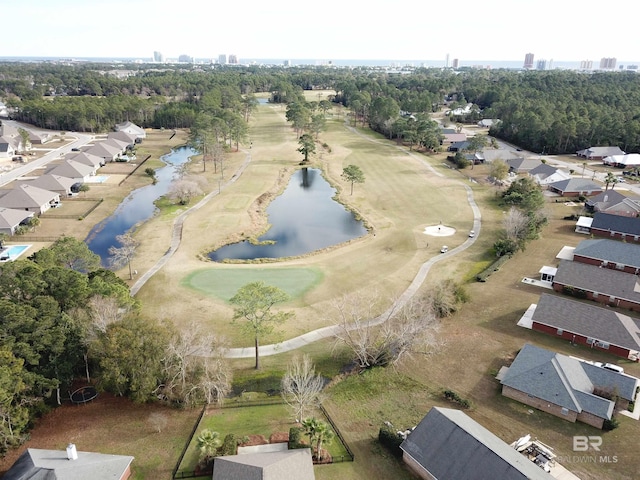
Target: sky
x: 483, y: 30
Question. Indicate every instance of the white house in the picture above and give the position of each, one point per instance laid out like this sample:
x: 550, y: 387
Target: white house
x: 131, y: 128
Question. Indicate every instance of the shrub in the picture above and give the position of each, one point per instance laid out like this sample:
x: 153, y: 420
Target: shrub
x: 494, y: 267
x: 454, y: 397
x: 229, y: 445
x: 390, y: 439
x: 295, y: 438
x: 609, y: 425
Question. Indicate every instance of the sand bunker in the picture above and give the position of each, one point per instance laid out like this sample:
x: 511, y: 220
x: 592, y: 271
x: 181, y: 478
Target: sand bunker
x: 439, y: 231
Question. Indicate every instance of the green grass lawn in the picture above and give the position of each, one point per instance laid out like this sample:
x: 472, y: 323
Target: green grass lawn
x: 223, y: 283
x: 251, y: 420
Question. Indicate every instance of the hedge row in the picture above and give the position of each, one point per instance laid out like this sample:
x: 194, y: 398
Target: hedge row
x: 494, y: 267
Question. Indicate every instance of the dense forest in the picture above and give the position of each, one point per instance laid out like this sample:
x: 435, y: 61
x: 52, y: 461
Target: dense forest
x: 552, y: 111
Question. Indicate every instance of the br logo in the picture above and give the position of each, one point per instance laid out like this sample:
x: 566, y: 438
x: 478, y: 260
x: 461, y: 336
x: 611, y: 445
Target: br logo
x: 582, y: 443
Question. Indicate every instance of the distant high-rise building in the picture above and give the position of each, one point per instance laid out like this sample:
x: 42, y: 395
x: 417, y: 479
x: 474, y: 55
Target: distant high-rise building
x: 158, y: 57
x: 607, y: 63
x: 287, y: 63
x: 455, y: 64
x: 233, y: 59
x: 185, y: 59
x: 586, y: 65
x: 222, y: 59
x: 446, y: 62
x: 541, y: 65
x: 528, y: 60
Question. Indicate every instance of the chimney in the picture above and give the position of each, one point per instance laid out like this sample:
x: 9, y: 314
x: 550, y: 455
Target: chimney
x: 72, y: 453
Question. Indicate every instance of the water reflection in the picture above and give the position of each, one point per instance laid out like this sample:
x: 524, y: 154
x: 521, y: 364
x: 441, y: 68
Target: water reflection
x: 137, y: 207
x: 304, y: 218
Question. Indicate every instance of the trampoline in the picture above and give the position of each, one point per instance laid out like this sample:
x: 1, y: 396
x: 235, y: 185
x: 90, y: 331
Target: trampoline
x: 83, y: 394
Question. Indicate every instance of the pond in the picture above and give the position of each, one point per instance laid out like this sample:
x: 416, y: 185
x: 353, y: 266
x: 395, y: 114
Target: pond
x: 303, y: 219
x: 137, y: 207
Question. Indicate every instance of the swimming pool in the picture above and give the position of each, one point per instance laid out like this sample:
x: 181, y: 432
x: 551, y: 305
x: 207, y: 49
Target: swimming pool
x: 97, y: 179
x: 12, y: 252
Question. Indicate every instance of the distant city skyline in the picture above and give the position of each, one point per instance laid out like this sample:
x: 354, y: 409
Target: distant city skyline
x: 330, y: 31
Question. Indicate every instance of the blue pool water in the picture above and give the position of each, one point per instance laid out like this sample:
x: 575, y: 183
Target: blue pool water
x: 13, y: 252
x: 98, y: 179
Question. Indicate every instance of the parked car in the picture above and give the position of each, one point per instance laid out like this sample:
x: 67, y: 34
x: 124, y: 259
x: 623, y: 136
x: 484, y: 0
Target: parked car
x: 613, y: 368
x: 472, y: 234
x: 75, y: 149
x: 444, y: 249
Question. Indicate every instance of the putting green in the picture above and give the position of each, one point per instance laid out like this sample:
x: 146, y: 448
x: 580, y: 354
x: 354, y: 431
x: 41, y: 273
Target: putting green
x: 224, y: 282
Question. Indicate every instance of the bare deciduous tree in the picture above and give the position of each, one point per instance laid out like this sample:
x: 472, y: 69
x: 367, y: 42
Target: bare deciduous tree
x: 195, y: 368
x: 105, y: 310
x: 388, y: 338
x: 185, y: 189
x: 516, y: 224
x: 123, y: 255
x: 301, y: 387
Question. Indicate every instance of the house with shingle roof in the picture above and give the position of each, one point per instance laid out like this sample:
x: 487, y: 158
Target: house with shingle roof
x: 566, y: 387
x: 454, y: 137
x: 545, y: 174
x: 523, y: 165
x: 41, y: 464
x: 53, y: 183
x: 30, y: 198
x: 583, y: 324
x: 605, y: 253
x: 616, y: 227
x: 599, y: 153
x: 575, y: 187
x: 623, y: 161
x: 491, y: 154
x: 132, y: 129
x: 11, y: 218
x: 284, y: 465
x: 614, y: 202
x: 611, y: 287
x: 105, y: 151
x: 123, y: 136
x: 78, y: 172
x: 447, y: 444
x: 87, y: 159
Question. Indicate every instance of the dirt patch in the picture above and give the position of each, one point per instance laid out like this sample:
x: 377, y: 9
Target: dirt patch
x: 279, y: 437
x: 255, y: 440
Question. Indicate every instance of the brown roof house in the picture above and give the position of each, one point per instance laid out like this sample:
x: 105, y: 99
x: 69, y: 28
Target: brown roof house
x: 30, y: 198
x: 583, y: 324
x: 566, y: 387
x: 449, y: 445
x: 38, y: 464
x: 284, y: 465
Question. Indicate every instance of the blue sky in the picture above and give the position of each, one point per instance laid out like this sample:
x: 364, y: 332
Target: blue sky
x: 327, y: 30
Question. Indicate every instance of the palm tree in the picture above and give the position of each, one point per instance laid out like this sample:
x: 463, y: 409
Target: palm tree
x: 584, y: 166
x: 610, y: 179
x: 208, y: 444
x: 319, y: 433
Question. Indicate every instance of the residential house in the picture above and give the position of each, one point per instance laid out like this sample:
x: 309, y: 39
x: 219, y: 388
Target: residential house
x: 284, y: 465
x: 614, y: 202
x: 575, y: 187
x: 11, y: 141
x: 545, y: 174
x: 566, y: 387
x: 87, y: 159
x: 38, y: 138
x: 447, y: 444
x: 128, y: 138
x: 77, y: 171
x: 53, y: 183
x: 616, y: 227
x: 583, y: 324
x: 599, y: 153
x: 460, y: 110
x: 491, y: 154
x: 450, y: 138
x: 133, y: 129
x: 458, y: 146
x: 623, y: 161
x: 583, y: 225
x: 30, y: 198
x: 37, y: 463
x: 11, y: 218
x: 105, y: 151
x: 605, y: 253
x: 121, y: 144
x: 522, y: 165
x: 487, y: 122
x: 4, y: 111
x: 604, y: 285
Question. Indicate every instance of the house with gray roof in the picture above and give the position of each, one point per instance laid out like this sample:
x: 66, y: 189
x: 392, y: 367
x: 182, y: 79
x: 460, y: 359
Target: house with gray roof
x: 545, y: 174
x: 491, y: 154
x: 575, y: 187
x: 616, y: 227
x: 566, y: 387
x: 11, y: 218
x: 584, y: 324
x: 105, y: 151
x: 53, y: 183
x: 30, y: 199
x: 449, y: 445
x: 604, y: 285
x: 605, y: 253
x: 87, y: 159
x: 128, y: 138
x: 132, y: 129
x: 284, y: 465
x: 523, y: 165
x: 39, y: 464
x: 77, y: 171
x: 599, y: 153
x: 614, y: 202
